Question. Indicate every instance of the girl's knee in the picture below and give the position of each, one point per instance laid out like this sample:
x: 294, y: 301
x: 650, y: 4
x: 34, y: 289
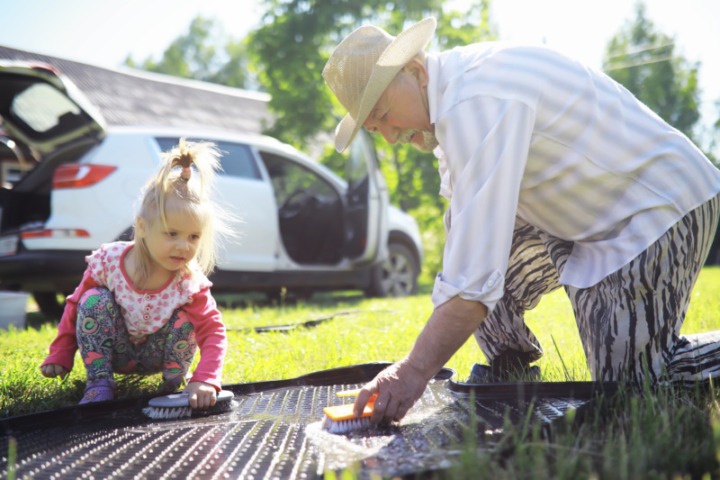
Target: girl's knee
x: 97, y: 316
x: 95, y: 297
x: 181, y: 344
x: 181, y: 340
x: 180, y: 326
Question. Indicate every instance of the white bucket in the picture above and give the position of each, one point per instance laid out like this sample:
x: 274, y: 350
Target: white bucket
x: 13, y: 306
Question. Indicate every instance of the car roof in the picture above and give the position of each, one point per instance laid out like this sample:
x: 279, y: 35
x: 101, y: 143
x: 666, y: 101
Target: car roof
x: 259, y: 141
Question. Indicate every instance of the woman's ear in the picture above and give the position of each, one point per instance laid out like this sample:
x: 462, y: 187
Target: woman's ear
x: 417, y: 69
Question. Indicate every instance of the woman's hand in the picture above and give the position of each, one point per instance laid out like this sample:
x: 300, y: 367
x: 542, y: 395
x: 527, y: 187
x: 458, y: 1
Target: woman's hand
x: 201, y: 394
x: 398, y: 388
x: 52, y: 370
x: 400, y: 385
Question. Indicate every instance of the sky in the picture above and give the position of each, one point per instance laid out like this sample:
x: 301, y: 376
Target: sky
x: 104, y: 33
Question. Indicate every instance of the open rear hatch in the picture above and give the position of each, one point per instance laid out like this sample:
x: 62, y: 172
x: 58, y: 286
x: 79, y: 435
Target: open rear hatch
x: 45, y: 121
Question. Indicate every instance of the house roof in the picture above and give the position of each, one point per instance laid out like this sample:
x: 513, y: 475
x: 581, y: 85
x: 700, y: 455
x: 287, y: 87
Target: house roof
x: 132, y: 97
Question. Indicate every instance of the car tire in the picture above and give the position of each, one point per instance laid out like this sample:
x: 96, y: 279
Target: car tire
x: 49, y: 304
x: 397, y: 275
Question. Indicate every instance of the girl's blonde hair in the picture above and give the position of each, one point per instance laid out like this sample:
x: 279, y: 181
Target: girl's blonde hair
x: 184, y: 182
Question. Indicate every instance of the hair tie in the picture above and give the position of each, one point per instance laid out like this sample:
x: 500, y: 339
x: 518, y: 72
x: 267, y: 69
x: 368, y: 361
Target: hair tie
x: 185, y: 173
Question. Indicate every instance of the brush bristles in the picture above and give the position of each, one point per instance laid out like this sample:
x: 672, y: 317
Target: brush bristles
x: 341, y: 418
x: 167, y: 413
x: 344, y: 426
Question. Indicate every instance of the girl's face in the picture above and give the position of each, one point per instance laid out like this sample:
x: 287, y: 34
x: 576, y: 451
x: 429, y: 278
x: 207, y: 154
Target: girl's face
x: 173, y: 247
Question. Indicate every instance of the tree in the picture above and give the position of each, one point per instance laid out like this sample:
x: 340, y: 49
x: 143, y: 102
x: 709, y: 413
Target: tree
x: 289, y: 52
x: 644, y: 61
x: 196, y: 55
x: 235, y: 72
x: 291, y: 47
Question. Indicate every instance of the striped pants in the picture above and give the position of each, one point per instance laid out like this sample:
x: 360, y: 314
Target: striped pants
x: 629, y: 323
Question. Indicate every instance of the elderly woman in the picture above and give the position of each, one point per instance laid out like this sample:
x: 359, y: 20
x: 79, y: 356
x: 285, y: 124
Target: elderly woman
x: 555, y: 175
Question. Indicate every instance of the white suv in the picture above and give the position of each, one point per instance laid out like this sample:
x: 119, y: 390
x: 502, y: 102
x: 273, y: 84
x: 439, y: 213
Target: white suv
x: 303, y: 228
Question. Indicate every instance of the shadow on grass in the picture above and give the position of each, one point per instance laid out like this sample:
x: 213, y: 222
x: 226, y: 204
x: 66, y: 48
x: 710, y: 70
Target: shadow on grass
x: 36, y: 320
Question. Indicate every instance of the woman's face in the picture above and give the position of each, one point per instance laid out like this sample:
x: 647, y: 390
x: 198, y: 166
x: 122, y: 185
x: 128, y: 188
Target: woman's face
x: 401, y: 115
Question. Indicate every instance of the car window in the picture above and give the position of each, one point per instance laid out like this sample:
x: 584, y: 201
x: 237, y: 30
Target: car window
x: 289, y: 178
x: 237, y: 159
x: 42, y: 107
x: 310, y: 212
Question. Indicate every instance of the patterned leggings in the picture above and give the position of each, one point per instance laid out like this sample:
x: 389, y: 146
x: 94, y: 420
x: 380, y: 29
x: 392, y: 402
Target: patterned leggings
x: 629, y: 323
x: 105, y: 345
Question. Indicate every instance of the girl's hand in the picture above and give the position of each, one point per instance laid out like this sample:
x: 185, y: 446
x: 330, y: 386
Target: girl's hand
x: 52, y: 370
x: 201, y: 394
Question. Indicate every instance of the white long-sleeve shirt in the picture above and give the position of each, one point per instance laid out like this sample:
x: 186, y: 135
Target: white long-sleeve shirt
x: 526, y: 132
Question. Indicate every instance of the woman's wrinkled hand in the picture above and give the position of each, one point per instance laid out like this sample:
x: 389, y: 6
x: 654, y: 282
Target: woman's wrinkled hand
x: 398, y: 387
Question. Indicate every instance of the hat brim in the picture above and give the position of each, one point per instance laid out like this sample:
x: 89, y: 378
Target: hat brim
x: 398, y: 53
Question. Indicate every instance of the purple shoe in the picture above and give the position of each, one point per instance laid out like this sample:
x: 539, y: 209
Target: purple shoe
x: 99, y: 390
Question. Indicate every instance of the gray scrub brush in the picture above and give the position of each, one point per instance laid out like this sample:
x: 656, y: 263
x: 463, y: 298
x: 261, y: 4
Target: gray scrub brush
x: 177, y: 405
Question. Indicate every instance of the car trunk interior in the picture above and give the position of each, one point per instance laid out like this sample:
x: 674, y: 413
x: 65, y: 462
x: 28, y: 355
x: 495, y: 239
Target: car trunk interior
x: 27, y: 205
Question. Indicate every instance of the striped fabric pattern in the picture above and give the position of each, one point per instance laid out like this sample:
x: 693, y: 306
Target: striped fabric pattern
x: 629, y: 323
x: 526, y: 132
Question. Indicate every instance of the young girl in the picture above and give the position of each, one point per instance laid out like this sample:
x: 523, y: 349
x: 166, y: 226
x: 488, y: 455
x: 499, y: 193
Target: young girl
x: 145, y: 306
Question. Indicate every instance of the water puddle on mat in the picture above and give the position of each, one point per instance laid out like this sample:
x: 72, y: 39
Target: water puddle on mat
x: 426, y: 438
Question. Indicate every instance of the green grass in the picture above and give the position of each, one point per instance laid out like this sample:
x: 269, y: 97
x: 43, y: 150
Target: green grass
x: 663, y: 434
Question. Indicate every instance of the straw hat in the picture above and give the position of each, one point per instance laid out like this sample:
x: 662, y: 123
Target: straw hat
x: 364, y: 64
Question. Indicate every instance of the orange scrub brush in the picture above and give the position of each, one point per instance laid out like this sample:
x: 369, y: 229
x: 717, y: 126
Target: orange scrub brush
x: 340, y: 418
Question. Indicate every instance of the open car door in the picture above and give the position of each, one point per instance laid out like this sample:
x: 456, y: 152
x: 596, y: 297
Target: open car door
x: 367, y: 203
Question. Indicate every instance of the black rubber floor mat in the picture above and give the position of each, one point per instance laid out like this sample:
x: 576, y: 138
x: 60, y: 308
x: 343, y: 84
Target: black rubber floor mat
x: 274, y: 431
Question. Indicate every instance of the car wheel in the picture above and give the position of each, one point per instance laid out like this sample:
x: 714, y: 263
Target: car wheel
x: 49, y: 304
x: 397, y: 275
